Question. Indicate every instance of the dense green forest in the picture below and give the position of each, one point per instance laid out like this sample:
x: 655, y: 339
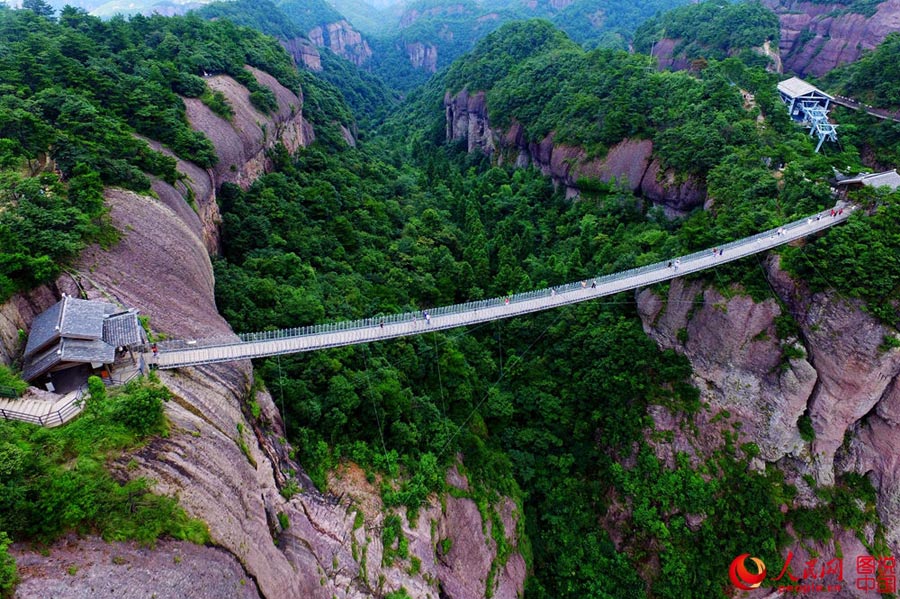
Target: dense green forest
x: 593, y: 23
x: 74, y: 95
x: 365, y: 93
x: 550, y: 409
x: 543, y: 408
x: 712, y: 30
x: 873, y: 78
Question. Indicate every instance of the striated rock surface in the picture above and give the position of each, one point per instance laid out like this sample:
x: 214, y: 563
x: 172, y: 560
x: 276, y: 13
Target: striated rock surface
x: 462, y: 572
x: 817, y: 37
x: 630, y: 162
x: 737, y: 360
x: 226, y: 467
x: 848, y: 386
x: 342, y: 39
x: 242, y: 142
x: 422, y: 56
x: 304, y: 52
x: 77, y: 568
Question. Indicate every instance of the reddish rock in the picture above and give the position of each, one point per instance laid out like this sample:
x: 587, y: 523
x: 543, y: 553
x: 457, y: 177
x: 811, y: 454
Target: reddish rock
x: 74, y: 568
x: 342, y: 39
x: 630, y: 162
x: 304, y: 52
x: 815, y: 38
x: 849, y: 387
x: 241, y: 143
x: 422, y: 56
x: 736, y: 359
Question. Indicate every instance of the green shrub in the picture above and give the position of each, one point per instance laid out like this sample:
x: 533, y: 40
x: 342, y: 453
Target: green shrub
x: 290, y: 489
x: 56, y: 481
x: 264, y: 100
x: 218, y: 103
x: 804, y: 424
x: 395, y: 544
x: 8, y: 574
x: 139, y: 406
x: 9, y: 380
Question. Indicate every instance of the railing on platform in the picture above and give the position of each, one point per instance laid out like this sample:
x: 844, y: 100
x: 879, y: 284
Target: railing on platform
x: 59, y: 416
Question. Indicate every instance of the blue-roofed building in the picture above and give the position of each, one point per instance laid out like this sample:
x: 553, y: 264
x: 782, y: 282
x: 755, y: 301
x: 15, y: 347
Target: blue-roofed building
x: 79, y: 333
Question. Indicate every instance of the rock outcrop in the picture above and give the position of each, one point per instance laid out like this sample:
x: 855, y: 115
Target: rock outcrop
x: 342, y: 39
x: 227, y: 467
x: 817, y: 37
x: 630, y: 163
x: 241, y: 145
x: 737, y: 360
x: 422, y: 56
x: 304, y: 52
x: 414, y: 14
x: 847, y: 384
x: 77, y: 568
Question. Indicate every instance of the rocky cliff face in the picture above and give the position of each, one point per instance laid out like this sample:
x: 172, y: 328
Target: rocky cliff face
x: 630, y: 162
x: 304, y: 52
x: 342, y: 39
x: 411, y: 16
x: 226, y: 467
x: 422, y: 56
x: 847, y: 385
x: 816, y: 38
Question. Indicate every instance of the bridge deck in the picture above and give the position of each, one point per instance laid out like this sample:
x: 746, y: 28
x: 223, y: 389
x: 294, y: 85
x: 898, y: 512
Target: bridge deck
x: 190, y: 353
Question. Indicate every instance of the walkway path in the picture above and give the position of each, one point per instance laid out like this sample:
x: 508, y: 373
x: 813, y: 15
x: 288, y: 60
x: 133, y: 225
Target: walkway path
x: 176, y: 354
x: 879, y: 113
x: 43, y: 412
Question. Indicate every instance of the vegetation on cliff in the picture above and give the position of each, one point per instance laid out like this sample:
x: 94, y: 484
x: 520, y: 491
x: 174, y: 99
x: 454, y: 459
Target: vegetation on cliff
x: 75, y: 95
x: 366, y: 94
x: 873, y: 78
x: 419, y: 223
x: 711, y: 30
x: 547, y: 409
x: 54, y: 481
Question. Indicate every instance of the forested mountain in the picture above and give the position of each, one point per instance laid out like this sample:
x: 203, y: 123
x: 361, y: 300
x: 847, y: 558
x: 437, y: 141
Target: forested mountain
x: 433, y: 33
x: 80, y: 103
x: 873, y: 77
x: 629, y: 447
x: 366, y: 94
x: 709, y: 30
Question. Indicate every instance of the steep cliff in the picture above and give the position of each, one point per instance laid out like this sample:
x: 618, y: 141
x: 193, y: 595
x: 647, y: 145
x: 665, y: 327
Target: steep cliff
x: 817, y: 37
x: 341, y: 38
x: 304, y: 52
x: 226, y: 466
x: 829, y: 369
x: 422, y: 56
x: 631, y: 162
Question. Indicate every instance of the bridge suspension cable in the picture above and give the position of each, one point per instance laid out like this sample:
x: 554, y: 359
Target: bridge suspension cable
x: 177, y: 354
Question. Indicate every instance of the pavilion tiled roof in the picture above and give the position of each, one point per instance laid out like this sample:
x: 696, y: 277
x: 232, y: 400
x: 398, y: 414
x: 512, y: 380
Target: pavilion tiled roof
x: 123, y: 329
x: 79, y: 331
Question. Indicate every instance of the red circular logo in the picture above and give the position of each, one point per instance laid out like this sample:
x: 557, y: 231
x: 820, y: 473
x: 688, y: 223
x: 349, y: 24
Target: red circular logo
x: 741, y: 577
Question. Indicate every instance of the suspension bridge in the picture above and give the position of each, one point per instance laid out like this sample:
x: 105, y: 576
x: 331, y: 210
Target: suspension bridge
x: 179, y: 354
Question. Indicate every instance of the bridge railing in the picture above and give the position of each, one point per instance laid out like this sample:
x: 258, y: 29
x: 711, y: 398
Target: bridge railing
x: 419, y: 315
